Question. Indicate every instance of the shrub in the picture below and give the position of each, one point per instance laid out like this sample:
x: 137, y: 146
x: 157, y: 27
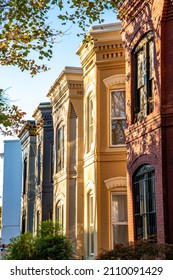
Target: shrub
x: 49, y: 244
x: 140, y: 250
x: 21, y: 247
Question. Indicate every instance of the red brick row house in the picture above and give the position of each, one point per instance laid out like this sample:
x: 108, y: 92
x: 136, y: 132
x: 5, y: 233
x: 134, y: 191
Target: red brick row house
x: 148, y: 39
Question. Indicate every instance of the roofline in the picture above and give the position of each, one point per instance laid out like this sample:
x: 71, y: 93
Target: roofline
x: 66, y: 70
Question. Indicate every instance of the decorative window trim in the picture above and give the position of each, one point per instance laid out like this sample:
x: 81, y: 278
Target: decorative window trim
x: 89, y: 186
x: 115, y: 183
x: 114, y: 80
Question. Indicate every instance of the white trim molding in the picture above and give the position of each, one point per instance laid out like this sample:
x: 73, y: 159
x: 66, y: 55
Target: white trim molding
x: 89, y: 186
x: 114, y: 80
x: 116, y: 182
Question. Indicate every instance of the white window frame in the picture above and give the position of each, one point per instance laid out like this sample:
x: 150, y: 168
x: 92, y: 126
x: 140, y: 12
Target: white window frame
x: 90, y: 117
x: 59, y: 212
x: 118, y: 222
x: 90, y: 223
x: 115, y: 118
x: 60, y: 152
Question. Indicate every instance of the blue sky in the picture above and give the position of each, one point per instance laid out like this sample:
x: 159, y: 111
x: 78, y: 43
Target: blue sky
x: 27, y: 92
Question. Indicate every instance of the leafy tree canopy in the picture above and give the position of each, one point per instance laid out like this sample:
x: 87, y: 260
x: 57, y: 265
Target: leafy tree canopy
x: 28, y: 32
x: 28, y: 26
x: 11, y: 117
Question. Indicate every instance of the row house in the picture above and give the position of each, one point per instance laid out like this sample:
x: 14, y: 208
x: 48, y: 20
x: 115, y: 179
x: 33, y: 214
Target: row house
x: 88, y: 108
x: 148, y: 40
x: 66, y: 95
x: 78, y: 148
x: 98, y: 157
x: 105, y: 195
x: 27, y: 139
x: 36, y: 138
x: 43, y: 203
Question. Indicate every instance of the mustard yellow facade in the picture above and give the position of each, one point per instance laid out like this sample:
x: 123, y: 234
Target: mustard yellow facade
x: 104, y: 170
x: 87, y: 152
x: 66, y: 97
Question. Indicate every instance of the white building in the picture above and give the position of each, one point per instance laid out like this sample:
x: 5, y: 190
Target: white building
x: 11, y: 197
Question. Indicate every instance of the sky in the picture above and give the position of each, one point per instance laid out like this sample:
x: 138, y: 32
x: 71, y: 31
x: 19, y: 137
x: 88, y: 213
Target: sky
x: 27, y: 92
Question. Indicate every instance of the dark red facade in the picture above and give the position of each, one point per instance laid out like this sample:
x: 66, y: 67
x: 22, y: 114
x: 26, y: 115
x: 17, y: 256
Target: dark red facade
x: 148, y: 40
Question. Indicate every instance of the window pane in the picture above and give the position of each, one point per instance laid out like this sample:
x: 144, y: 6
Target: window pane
x: 119, y: 208
x: 118, y: 104
x: 120, y: 234
x: 141, y: 99
x: 151, y: 59
x: 144, y: 98
x: 91, y: 240
x: 60, y: 149
x: 91, y: 223
x: 90, y: 111
x: 90, y: 122
x: 140, y: 69
x: 39, y: 165
x: 118, y: 136
x: 144, y: 198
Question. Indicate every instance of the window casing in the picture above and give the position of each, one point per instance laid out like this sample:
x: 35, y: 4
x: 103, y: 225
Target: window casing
x: 90, y: 223
x: 144, y: 203
x: 119, y: 218
x: 60, y: 212
x: 144, y: 69
x: 90, y: 122
x: 60, y: 148
x: 38, y: 221
x: 117, y: 117
x: 25, y: 166
x: 39, y: 165
x: 51, y: 161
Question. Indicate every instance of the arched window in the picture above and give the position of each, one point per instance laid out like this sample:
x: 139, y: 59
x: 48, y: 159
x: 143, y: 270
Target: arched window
x: 144, y: 84
x: 144, y: 202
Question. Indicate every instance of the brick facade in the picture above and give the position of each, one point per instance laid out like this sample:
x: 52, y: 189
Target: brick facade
x: 149, y: 140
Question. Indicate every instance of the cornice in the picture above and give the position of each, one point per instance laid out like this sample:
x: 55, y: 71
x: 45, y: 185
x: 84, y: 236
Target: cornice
x: 66, y: 72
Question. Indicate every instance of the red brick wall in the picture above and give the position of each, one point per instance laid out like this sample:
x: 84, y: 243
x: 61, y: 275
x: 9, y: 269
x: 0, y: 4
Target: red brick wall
x: 151, y: 140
